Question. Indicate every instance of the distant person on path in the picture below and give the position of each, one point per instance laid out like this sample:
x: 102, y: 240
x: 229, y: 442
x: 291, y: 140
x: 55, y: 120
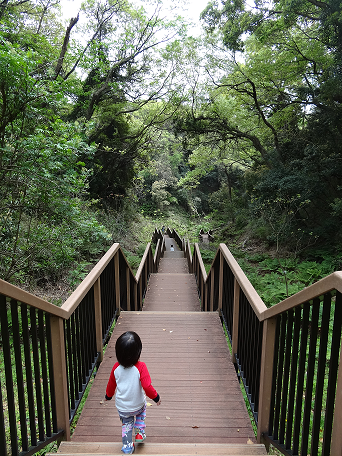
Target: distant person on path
x: 172, y: 249
x: 163, y: 229
x: 131, y: 383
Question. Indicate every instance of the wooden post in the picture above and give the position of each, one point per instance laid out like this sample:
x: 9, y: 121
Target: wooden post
x: 202, y: 292
x: 60, y: 375
x: 336, y: 437
x: 140, y: 293
x: 146, y: 269
x: 128, y: 289
x: 205, y: 291
x: 212, y: 285
x: 266, y: 374
x: 135, y: 296
x: 98, y: 318
x: 235, y: 319
x: 117, y: 282
x: 220, y: 285
x: 157, y: 256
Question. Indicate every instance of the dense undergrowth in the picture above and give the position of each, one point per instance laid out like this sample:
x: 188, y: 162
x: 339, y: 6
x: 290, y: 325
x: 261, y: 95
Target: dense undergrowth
x: 275, y: 273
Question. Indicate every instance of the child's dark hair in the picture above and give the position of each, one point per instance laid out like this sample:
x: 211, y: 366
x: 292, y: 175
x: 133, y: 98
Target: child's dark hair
x: 128, y: 348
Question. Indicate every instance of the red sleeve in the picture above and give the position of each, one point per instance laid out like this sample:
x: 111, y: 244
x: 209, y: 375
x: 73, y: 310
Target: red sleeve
x: 145, y: 380
x: 111, y: 385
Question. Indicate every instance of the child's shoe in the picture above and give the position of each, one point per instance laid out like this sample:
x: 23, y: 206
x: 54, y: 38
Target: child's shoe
x: 127, y: 449
x: 140, y: 437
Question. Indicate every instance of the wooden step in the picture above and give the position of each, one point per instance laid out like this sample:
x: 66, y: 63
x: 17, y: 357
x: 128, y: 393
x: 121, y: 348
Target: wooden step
x: 161, y: 449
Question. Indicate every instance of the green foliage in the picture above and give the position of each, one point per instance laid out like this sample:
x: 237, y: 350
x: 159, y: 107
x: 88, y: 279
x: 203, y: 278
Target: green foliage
x: 76, y: 275
x: 45, y: 224
x: 276, y: 279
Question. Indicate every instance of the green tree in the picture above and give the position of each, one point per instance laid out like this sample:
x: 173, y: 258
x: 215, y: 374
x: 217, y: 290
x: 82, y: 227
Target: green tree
x: 277, y: 107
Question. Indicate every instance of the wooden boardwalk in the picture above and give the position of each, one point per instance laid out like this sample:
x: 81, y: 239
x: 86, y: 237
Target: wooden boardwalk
x: 186, y: 353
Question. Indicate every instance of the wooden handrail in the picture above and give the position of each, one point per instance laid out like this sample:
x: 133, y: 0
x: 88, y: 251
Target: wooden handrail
x: 200, y: 262
x: 88, y: 293
x: 329, y: 283
x: 241, y: 288
x: 188, y: 254
x: 243, y: 297
x: 76, y: 297
x: 13, y: 292
x: 256, y: 302
x: 142, y: 262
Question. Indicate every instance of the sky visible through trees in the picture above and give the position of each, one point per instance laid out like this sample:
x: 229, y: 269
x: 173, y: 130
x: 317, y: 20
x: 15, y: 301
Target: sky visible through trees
x: 191, y: 9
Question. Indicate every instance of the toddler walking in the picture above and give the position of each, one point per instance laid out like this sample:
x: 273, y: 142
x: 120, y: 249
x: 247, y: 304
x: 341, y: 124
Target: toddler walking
x: 131, y: 383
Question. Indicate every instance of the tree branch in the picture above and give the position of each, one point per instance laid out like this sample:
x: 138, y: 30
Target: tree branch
x: 72, y: 23
x: 318, y: 3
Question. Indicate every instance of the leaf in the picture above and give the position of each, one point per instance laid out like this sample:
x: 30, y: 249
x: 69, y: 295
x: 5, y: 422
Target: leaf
x: 249, y: 442
x: 168, y: 418
x: 195, y: 427
x: 148, y: 404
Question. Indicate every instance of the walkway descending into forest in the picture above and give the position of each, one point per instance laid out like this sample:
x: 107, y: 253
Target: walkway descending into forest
x: 188, y: 358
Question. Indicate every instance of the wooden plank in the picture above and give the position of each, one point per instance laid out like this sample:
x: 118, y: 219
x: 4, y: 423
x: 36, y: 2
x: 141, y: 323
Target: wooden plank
x: 190, y: 367
x: 165, y: 448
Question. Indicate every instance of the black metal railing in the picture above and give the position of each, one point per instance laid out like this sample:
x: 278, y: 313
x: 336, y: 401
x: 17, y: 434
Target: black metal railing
x: 157, y: 234
x: 306, y: 361
x: 108, y: 298
x: 288, y: 354
x: 227, y: 298
x: 248, y: 354
x: 176, y: 237
x: 47, y: 354
x: 216, y: 282
x: 81, y: 351
x: 200, y: 275
x: 28, y: 413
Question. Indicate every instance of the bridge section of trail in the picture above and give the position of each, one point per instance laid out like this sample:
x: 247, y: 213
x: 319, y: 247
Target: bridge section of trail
x: 50, y: 352
x: 189, y: 361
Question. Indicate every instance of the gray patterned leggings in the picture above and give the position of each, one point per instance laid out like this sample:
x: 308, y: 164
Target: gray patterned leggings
x: 127, y: 427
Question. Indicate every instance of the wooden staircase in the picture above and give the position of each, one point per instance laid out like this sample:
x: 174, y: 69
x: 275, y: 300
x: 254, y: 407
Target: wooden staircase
x: 174, y: 333
x: 161, y: 449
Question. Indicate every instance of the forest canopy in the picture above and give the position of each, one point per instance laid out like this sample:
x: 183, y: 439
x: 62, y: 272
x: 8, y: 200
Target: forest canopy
x: 127, y: 108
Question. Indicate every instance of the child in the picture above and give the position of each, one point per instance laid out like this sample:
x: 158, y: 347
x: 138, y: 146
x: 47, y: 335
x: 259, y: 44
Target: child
x: 130, y: 378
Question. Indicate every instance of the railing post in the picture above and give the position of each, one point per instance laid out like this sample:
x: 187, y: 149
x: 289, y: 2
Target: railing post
x: 135, y: 296
x: 156, y: 257
x: 266, y: 374
x: 220, y: 285
x: 60, y: 375
x: 139, y: 294
x: 117, y: 283
x: 98, y: 318
x: 146, y: 270
x: 202, y: 292
x: 235, y: 330
x: 205, y: 291
x: 336, y: 436
x: 212, y: 284
x: 128, y: 289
